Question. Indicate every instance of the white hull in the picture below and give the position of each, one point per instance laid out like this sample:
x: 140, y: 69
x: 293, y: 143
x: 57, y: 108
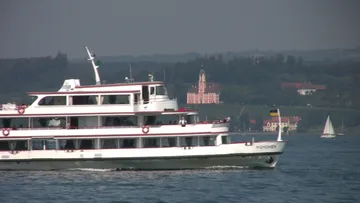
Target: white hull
x: 239, y: 154
x: 328, y: 136
x: 256, y: 161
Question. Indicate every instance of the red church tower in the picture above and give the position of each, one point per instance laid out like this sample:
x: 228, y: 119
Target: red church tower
x: 204, y: 93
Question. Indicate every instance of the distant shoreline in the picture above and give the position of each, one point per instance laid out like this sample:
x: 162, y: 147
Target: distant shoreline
x: 275, y: 133
x: 253, y: 133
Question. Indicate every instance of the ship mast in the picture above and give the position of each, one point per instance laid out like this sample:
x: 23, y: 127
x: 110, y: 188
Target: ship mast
x: 95, y: 67
x: 129, y: 80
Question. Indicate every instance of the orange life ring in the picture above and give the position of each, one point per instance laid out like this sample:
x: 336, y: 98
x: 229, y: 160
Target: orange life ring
x: 6, y: 131
x: 21, y: 109
x: 145, y: 129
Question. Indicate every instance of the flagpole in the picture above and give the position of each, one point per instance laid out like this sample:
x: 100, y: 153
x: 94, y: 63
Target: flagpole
x: 279, y: 133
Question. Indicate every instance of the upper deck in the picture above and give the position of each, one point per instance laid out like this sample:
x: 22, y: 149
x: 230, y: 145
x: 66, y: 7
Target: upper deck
x: 122, y: 98
x: 101, y: 99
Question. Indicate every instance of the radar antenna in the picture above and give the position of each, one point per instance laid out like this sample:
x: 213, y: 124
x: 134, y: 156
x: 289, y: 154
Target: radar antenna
x: 92, y: 59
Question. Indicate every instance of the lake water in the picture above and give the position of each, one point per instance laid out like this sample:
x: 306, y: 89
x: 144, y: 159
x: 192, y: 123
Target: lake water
x: 310, y: 170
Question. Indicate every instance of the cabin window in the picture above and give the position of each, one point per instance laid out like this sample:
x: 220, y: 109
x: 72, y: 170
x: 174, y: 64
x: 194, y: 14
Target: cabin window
x: 188, y: 141
x: 21, y: 145
x: 207, y: 140
x: 151, y: 142
x: 151, y: 120
x: 56, y: 122
x: 145, y: 94
x: 4, y: 146
x: 162, y: 120
x: 191, y: 119
x: 119, y: 121
x: 67, y: 144
x: 73, y: 122
x: 85, y: 144
x: 152, y: 90
x: 169, y: 142
x: 30, y: 100
x: 12, y: 145
x: 136, y: 98
x: 43, y: 144
x: 77, y: 144
x: 116, y: 99
x: 128, y: 143
x: 167, y: 120
x: 84, y: 100
x: 52, y: 100
x: 14, y: 123
x: 109, y: 143
x: 85, y: 121
x: 225, y: 139
x: 161, y: 90
x: 6, y: 123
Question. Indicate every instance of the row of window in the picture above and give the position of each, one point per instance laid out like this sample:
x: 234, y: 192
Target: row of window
x: 92, y: 121
x: 96, y: 99
x: 85, y: 100
x: 80, y: 144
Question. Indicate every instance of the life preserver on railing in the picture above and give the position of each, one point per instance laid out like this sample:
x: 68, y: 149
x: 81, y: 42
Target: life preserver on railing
x: 5, y: 131
x: 21, y: 109
x: 145, y: 129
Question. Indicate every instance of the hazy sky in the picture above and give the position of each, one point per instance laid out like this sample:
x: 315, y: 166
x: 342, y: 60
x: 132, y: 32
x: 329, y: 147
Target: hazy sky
x: 117, y: 27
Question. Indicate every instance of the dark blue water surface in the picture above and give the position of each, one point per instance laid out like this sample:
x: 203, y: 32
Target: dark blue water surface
x: 310, y: 170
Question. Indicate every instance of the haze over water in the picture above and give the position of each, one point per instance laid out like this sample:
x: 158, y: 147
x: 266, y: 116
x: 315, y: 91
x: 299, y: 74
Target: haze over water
x: 310, y: 170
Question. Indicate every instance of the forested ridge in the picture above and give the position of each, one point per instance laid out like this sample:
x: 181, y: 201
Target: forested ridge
x: 244, y: 80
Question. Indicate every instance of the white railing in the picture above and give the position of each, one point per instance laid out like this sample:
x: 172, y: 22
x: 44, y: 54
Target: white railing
x: 74, y: 128
x: 214, y: 125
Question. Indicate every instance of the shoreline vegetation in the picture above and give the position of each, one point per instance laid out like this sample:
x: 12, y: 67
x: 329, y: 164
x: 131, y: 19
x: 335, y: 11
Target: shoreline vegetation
x: 313, y: 118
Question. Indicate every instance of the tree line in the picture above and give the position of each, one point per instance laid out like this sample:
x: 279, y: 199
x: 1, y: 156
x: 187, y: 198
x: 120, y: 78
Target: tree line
x: 248, y: 80
x: 243, y: 80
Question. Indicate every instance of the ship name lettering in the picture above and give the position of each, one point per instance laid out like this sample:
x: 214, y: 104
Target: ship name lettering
x: 266, y: 147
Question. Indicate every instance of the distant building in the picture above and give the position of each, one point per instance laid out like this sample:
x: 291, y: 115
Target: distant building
x: 303, y: 88
x: 204, y: 93
x: 290, y: 122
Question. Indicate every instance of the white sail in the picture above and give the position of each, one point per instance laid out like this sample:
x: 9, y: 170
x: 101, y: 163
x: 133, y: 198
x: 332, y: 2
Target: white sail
x: 328, y: 129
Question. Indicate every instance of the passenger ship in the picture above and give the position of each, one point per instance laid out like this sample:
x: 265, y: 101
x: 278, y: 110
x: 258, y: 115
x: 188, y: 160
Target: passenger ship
x: 131, y: 125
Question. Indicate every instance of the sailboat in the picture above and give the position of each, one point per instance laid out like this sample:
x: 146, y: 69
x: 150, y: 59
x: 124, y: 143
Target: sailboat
x: 328, y: 131
x: 342, y: 128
